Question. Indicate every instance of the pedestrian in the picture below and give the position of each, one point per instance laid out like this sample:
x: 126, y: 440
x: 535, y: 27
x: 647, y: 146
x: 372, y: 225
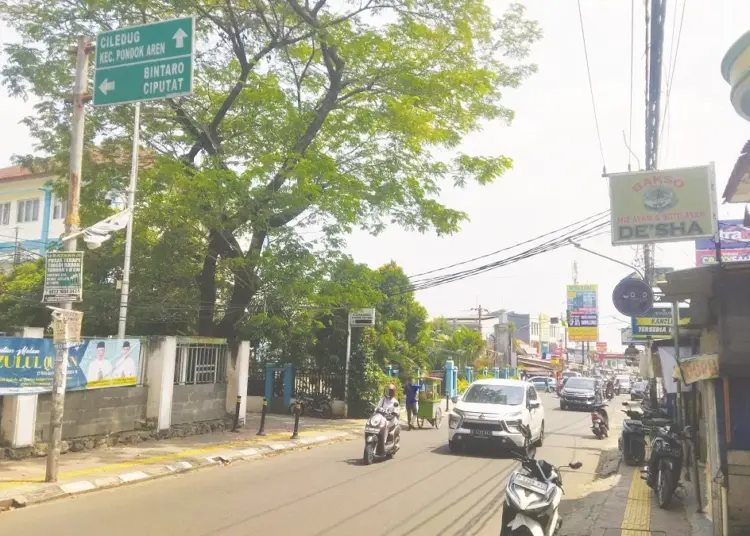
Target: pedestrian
x: 412, y: 401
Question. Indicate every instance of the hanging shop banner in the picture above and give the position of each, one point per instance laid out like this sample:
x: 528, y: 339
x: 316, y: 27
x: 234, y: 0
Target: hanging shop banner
x: 656, y: 323
x: 735, y: 244
x: 584, y: 315
x: 27, y: 365
x: 670, y: 205
x: 601, y: 347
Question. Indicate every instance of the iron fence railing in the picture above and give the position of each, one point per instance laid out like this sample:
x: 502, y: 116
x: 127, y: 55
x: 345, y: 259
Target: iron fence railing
x: 320, y: 382
x: 256, y: 382
x: 200, y: 360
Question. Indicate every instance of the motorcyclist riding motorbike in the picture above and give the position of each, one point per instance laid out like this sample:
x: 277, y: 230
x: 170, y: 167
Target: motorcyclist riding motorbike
x: 610, y: 391
x: 388, y: 402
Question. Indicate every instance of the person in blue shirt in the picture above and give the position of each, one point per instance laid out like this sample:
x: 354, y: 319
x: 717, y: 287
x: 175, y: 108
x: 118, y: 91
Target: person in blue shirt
x: 412, y: 393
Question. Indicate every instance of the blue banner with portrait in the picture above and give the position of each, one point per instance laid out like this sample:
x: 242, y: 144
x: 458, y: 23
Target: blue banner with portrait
x: 27, y: 365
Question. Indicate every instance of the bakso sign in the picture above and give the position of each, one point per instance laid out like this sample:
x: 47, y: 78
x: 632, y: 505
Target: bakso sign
x: 663, y: 206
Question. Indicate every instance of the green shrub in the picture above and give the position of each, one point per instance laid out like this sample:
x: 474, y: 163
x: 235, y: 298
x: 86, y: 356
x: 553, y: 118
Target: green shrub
x: 463, y: 385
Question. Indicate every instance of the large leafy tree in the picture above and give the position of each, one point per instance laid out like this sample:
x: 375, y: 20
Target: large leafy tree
x: 306, y: 113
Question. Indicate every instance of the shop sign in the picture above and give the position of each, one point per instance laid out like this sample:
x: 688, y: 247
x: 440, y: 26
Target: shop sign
x: 670, y: 205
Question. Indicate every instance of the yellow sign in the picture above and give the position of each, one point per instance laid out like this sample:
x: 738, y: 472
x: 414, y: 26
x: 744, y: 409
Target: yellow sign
x: 583, y: 313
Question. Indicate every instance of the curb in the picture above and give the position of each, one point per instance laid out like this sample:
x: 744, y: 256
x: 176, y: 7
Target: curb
x: 151, y: 472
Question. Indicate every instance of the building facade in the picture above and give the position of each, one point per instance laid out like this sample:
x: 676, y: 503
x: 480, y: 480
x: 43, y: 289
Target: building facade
x: 31, y: 216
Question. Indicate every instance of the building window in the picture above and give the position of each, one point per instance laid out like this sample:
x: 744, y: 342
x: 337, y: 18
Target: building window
x: 5, y: 214
x: 58, y: 212
x: 28, y: 210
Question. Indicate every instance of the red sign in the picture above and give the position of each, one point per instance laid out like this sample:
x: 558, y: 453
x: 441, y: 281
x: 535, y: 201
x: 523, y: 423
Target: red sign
x: 601, y: 347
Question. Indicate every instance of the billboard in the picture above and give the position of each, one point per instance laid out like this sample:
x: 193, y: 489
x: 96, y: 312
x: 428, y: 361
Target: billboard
x: 584, y: 313
x: 735, y: 244
x: 669, y: 205
x: 656, y: 323
x: 27, y: 365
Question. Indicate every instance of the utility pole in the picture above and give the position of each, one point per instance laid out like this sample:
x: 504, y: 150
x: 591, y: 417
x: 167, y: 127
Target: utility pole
x: 72, y: 223
x: 654, y: 48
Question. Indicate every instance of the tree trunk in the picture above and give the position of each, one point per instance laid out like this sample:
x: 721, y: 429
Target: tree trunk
x: 244, y: 289
x: 207, y: 288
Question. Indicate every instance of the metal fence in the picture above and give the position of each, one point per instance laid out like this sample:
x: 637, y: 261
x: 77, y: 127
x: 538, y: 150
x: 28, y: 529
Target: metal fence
x: 256, y: 382
x: 318, y: 382
x: 200, y: 360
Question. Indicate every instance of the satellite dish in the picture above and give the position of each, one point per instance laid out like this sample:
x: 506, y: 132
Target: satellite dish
x: 633, y: 297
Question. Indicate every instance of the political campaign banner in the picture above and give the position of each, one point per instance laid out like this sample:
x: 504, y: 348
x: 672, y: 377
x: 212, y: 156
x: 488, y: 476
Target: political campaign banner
x: 27, y: 365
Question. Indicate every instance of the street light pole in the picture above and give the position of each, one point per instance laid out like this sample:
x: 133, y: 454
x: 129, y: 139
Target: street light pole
x: 579, y: 246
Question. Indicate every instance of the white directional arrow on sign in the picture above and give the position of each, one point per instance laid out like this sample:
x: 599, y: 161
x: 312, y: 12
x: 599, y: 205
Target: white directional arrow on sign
x: 179, y: 38
x: 107, y: 85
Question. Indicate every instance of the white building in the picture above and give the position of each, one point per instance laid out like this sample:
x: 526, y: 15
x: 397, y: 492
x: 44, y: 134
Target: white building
x: 31, y: 217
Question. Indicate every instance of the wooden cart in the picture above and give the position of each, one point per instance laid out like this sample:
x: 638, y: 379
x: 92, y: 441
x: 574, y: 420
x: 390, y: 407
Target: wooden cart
x: 429, y: 403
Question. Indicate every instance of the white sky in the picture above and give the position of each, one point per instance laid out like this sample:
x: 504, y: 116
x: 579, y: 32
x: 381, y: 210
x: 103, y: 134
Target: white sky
x: 556, y: 179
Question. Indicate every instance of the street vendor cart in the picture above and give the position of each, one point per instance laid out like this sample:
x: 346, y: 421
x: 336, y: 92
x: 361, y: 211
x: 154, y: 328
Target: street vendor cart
x: 429, y: 402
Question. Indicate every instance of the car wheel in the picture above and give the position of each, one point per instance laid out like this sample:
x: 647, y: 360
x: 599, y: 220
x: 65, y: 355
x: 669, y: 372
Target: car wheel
x: 563, y: 407
x: 540, y: 441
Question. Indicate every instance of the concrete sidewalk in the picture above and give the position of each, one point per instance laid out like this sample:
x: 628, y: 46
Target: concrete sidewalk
x: 22, y: 481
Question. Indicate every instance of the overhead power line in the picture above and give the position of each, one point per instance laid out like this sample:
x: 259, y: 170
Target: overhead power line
x: 517, y: 244
x: 591, y: 86
x: 584, y: 229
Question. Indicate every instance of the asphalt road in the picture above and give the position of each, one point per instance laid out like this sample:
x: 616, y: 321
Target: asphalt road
x: 424, y: 490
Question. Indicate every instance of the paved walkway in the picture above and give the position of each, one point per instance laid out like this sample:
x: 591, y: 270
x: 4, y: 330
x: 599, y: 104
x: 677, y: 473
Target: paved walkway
x: 106, y: 467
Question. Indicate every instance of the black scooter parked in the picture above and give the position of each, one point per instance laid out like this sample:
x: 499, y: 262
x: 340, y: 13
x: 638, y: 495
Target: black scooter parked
x: 662, y: 474
x: 632, y: 440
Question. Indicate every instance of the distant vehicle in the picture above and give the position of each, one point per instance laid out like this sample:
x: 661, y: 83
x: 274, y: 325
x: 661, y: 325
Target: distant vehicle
x: 622, y: 384
x: 543, y: 383
x: 491, y: 412
x: 570, y: 374
x: 580, y: 393
x: 638, y: 392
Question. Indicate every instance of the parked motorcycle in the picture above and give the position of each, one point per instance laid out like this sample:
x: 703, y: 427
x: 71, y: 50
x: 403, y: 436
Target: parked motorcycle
x: 532, y: 496
x: 382, y: 434
x: 600, y: 422
x: 662, y: 474
x: 319, y: 405
x: 632, y: 440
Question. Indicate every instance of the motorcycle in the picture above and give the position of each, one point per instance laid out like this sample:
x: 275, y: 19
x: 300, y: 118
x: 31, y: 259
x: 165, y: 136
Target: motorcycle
x: 319, y: 405
x: 632, y: 442
x: 609, y: 393
x: 532, y: 496
x: 600, y: 422
x: 382, y: 434
x: 662, y: 474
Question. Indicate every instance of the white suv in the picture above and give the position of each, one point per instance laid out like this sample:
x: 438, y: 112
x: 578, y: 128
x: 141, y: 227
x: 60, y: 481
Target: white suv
x: 490, y: 411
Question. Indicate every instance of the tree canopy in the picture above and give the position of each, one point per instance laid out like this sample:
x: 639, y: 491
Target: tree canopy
x: 307, y: 116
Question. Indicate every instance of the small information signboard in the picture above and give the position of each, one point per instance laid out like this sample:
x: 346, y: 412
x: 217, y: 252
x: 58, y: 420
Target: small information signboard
x: 63, y: 280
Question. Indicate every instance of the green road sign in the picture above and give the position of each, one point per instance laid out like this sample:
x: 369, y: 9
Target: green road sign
x: 147, y: 62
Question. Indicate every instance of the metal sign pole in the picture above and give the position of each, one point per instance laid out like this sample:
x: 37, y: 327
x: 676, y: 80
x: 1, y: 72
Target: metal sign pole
x: 346, y: 367
x: 129, y: 233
